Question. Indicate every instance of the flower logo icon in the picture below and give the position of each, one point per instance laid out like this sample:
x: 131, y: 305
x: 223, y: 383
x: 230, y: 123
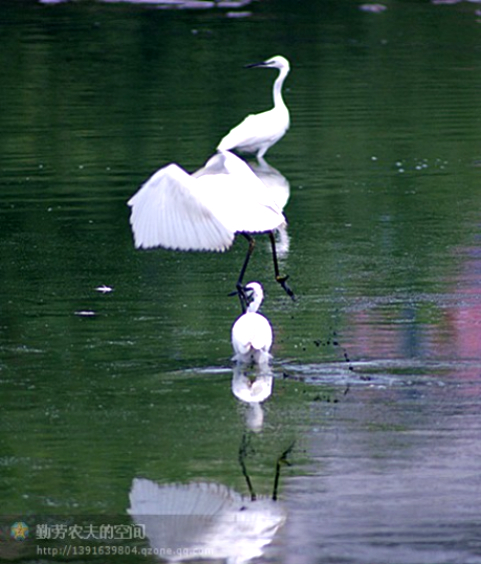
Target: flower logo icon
x: 19, y: 531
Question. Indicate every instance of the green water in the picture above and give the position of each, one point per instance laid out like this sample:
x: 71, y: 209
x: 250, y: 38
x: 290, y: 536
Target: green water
x: 380, y: 349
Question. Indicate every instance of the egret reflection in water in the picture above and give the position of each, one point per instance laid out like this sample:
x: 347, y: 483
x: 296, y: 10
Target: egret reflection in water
x: 280, y: 190
x: 253, y: 388
x: 206, y: 520
x: 204, y: 211
x: 258, y: 132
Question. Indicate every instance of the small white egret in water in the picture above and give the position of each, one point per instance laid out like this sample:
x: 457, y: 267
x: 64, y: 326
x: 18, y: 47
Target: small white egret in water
x: 204, y: 211
x: 252, y: 333
x: 258, y: 132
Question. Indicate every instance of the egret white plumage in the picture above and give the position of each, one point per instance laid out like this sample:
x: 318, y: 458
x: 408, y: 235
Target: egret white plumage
x: 258, y: 132
x: 204, y: 211
x: 251, y: 334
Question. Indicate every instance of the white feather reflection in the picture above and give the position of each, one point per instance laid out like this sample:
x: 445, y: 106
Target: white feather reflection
x: 252, y: 389
x: 202, y: 520
x: 277, y: 183
x: 280, y: 191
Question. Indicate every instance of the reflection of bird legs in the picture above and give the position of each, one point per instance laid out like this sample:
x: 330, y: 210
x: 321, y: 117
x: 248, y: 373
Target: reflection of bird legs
x: 282, y: 280
x: 281, y: 460
x: 244, y: 449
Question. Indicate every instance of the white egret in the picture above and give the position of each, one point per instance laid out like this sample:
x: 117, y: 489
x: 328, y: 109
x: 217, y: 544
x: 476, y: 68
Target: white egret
x: 258, y: 132
x: 204, y: 211
x: 251, y: 334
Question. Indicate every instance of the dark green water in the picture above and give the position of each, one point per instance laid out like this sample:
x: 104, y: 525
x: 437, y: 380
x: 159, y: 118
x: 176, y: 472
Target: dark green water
x: 377, y: 365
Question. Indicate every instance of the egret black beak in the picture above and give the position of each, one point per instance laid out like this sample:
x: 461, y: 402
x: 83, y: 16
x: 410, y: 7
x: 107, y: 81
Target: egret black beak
x: 252, y: 65
x: 241, y: 292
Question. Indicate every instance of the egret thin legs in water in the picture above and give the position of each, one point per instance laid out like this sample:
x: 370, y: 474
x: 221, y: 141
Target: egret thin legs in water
x: 282, y: 280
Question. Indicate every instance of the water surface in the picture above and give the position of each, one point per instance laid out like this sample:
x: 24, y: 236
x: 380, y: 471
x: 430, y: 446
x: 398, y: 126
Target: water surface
x: 376, y: 365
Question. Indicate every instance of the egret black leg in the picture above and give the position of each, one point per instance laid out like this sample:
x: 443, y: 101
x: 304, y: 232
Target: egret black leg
x: 281, y: 279
x: 239, y: 286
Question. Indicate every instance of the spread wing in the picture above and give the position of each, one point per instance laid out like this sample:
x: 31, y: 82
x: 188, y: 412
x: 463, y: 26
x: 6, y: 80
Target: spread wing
x: 166, y: 212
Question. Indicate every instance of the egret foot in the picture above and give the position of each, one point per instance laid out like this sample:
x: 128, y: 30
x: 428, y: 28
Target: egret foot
x: 282, y: 280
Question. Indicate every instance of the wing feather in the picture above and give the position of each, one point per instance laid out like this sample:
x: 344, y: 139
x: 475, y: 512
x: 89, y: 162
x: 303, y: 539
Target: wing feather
x: 166, y: 212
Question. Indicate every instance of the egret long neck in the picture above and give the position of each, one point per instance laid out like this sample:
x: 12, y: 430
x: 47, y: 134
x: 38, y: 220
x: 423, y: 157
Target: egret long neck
x: 277, y: 91
x: 255, y: 304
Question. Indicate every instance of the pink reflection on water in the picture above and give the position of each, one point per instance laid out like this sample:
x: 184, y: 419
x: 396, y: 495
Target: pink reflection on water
x: 465, y: 316
x: 426, y: 327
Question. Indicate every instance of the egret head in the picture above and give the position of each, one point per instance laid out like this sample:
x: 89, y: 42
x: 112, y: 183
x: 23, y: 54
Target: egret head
x: 277, y: 62
x: 254, y: 295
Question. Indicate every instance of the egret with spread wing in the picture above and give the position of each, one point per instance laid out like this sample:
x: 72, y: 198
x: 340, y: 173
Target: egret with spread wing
x: 205, y: 210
